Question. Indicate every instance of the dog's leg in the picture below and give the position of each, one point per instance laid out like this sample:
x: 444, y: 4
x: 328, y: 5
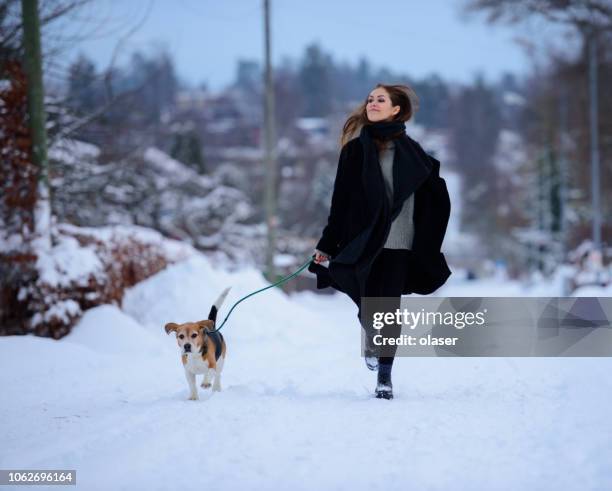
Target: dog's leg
x: 191, y: 380
x: 217, y: 383
x: 206, y: 381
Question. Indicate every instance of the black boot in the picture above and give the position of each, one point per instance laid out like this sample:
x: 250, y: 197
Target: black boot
x: 384, y: 387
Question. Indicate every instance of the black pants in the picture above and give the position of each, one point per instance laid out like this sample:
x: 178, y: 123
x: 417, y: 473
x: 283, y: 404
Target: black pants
x: 386, y: 279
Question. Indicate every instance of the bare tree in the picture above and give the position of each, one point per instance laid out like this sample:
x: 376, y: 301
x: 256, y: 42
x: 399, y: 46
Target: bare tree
x: 584, y: 15
x: 568, y: 84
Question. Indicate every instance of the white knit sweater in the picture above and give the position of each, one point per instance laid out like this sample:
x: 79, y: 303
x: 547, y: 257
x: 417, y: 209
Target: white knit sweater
x: 402, y: 228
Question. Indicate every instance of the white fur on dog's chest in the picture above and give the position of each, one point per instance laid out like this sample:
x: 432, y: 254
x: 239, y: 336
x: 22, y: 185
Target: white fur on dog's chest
x: 196, y: 364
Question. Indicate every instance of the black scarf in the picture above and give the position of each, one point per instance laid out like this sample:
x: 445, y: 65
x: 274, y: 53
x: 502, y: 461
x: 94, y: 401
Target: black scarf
x: 381, y: 132
x: 411, y: 165
x: 384, y: 130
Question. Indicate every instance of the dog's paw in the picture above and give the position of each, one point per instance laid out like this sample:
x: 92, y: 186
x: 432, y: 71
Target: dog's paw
x: 193, y: 397
x: 216, y: 388
x: 206, y: 385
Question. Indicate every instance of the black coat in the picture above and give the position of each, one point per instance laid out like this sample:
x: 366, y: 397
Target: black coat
x: 360, y: 219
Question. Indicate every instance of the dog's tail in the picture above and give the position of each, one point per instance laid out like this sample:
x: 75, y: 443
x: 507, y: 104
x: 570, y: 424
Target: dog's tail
x: 217, y: 305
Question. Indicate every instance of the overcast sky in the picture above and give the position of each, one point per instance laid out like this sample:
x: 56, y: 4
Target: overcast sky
x: 206, y: 37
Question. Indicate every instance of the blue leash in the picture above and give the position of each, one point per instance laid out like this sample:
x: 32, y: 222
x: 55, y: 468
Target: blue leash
x: 282, y: 280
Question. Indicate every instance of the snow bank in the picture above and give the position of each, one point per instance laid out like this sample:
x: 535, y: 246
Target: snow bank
x: 86, y: 267
x: 106, y: 329
x: 68, y: 262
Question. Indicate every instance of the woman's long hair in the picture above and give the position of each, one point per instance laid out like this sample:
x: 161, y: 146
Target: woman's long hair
x: 401, y: 95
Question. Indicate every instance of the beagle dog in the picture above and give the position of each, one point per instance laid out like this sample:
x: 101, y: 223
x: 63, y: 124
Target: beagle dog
x: 202, y: 351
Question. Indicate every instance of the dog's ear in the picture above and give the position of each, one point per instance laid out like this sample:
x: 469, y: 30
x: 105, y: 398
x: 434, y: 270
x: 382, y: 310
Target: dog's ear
x: 171, y: 327
x: 205, y: 326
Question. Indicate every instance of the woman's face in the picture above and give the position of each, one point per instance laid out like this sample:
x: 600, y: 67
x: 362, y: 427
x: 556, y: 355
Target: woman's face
x: 379, y: 107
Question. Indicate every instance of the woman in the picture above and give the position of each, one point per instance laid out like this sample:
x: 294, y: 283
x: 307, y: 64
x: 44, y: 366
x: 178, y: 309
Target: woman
x: 388, y: 216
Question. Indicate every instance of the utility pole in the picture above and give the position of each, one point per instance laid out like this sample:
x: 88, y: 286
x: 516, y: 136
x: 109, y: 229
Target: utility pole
x: 37, y: 119
x: 563, y: 171
x: 270, y: 141
x: 596, y: 201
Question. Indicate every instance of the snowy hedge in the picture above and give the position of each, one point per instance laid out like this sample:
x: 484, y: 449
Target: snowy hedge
x: 85, y: 267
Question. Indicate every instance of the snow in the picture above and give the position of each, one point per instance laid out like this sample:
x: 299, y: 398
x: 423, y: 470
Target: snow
x: 73, y: 151
x: 296, y: 410
x: 10, y: 242
x: 166, y: 165
x: 284, y: 260
x: 67, y: 262
x: 101, y: 327
x: 510, y: 153
x: 593, y: 291
x: 173, y: 250
x: 64, y: 310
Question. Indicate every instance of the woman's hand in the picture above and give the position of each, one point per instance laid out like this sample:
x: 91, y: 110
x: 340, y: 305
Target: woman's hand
x: 319, y: 258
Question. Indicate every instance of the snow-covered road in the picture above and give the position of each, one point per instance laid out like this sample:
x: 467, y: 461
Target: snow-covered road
x: 296, y: 410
